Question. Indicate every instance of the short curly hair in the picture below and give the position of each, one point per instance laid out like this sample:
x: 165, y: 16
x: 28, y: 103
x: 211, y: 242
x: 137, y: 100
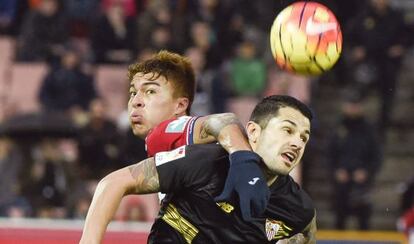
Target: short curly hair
x: 174, y: 68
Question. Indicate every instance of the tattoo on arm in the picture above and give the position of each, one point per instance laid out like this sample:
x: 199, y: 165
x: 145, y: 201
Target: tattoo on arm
x: 296, y: 239
x: 146, y: 176
x: 216, y: 122
x: 310, y: 232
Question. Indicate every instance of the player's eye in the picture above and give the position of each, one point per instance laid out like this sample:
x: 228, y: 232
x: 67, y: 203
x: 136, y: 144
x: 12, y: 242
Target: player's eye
x: 304, y: 139
x: 132, y: 93
x: 150, y: 91
x: 287, y: 130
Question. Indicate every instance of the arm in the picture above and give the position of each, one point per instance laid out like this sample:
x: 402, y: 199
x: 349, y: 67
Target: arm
x: 307, y: 236
x: 224, y: 128
x: 140, y: 178
x: 244, y: 164
x: 310, y: 232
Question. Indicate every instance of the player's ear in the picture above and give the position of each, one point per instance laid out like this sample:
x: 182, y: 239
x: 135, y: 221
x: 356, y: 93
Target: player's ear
x: 253, y: 131
x: 182, y: 104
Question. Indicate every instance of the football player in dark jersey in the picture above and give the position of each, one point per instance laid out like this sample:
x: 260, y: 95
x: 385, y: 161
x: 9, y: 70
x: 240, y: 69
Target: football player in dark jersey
x: 278, y: 132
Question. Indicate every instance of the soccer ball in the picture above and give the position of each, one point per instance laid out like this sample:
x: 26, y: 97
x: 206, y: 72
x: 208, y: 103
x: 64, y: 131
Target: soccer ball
x: 306, y: 38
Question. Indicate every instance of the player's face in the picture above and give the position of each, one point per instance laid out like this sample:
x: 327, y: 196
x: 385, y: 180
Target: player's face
x: 282, y: 143
x: 151, y: 102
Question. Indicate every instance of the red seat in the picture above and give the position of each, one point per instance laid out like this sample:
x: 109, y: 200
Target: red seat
x: 242, y: 107
x: 22, y: 86
x: 112, y: 85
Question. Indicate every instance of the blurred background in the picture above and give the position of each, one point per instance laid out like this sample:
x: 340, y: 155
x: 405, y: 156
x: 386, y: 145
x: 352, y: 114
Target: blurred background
x: 63, y: 100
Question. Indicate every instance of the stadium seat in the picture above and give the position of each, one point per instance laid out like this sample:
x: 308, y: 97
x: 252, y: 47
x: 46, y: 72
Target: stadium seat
x: 242, y: 107
x: 7, y: 49
x: 23, y: 85
x: 112, y: 85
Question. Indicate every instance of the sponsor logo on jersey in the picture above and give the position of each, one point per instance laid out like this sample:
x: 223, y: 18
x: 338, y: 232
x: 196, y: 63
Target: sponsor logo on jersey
x: 173, y: 218
x: 254, y: 180
x: 226, y: 207
x: 165, y: 157
x: 178, y: 125
x: 276, y: 230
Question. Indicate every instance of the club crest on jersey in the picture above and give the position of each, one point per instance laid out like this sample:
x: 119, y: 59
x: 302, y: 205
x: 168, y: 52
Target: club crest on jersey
x: 165, y: 157
x: 276, y: 230
x: 178, y: 125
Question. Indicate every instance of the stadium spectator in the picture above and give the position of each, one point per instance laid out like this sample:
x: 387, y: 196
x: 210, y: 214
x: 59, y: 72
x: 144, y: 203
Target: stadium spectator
x: 246, y: 79
x: 7, y: 15
x: 113, y: 36
x: 67, y: 88
x: 156, y: 13
x: 129, y: 6
x: 248, y: 72
x: 203, y: 37
x: 377, y: 38
x: 201, y: 105
x: 81, y: 14
x: 44, y: 33
x: 12, y: 203
x: 161, y: 38
x: 49, y: 179
x: 98, y: 143
x: 354, y: 156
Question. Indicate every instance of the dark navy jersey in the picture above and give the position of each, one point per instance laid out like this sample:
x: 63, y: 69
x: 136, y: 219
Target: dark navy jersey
x: 195, y: 175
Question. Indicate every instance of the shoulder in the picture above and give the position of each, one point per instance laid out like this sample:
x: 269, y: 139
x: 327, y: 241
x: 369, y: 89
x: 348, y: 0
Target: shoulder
x: 287, y: 195
x: 197, y: 155
x: 170, y: 134
x: 298, y: 193
x: 175, y: 125
x: 191, y: 167
x: 208, y: 151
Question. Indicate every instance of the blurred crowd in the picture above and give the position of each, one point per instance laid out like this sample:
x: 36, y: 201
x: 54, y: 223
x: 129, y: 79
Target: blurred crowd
x: 53, y: 173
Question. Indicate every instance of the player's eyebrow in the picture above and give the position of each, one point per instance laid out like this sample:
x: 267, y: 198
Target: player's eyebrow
x: 148, y: 83
x: 294, y: 124
x: 132, y: 83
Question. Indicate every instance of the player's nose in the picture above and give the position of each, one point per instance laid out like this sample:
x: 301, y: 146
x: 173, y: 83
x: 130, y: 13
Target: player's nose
x: 137, y: 100
x: 297, y: 144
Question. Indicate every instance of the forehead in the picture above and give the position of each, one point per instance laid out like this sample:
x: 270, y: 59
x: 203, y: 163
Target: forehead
x: 290, y: 114
x: 141, y: 79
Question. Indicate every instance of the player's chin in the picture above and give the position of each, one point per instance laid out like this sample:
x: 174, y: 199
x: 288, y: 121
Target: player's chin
x: 280, y: 171
x: 139, y: 130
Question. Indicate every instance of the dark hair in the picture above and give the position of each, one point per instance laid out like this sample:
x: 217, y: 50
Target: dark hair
x: 174, y: 68
x: 269, y: 107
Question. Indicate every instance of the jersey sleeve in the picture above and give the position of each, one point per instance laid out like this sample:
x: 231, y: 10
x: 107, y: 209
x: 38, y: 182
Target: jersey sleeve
x: 171, y: 134
x: 190, y: 167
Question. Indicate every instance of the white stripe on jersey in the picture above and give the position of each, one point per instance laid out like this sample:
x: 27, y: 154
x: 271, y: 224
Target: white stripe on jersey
x: 165, y: 157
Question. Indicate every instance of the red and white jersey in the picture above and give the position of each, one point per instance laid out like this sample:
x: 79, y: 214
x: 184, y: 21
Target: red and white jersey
x: 170, y: 134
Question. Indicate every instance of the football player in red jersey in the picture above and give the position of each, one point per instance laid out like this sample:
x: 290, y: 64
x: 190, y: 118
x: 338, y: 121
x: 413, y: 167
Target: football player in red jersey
x: 161, y: 93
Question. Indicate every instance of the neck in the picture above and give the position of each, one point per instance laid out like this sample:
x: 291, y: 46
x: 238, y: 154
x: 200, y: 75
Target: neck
x: 271, y: 180
x: 270, y: 177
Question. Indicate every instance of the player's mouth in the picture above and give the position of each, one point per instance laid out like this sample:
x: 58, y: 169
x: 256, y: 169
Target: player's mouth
x: 289, y: 158
x: 136, y: 119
